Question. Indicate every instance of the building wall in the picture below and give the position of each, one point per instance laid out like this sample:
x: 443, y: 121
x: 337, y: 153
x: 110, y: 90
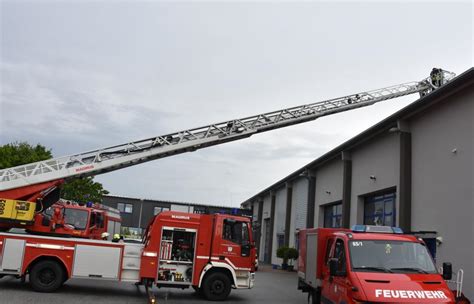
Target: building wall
x: 328, y: 178
x: 143, y: 210
x: 147, y: 210
x: 265, y: 215
x: 379, y: 157
x: 255, y: 211
x: 279, y: 228
x: 442, y: 181
x: 267, y: 204
x: 300, y: 200
x: 128, y: 219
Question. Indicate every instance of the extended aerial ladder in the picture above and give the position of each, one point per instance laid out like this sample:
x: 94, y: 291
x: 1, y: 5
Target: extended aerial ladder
x: 27, y: 181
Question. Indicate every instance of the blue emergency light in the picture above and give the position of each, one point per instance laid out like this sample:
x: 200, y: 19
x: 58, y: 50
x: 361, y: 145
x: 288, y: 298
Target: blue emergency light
x: 377, y: 229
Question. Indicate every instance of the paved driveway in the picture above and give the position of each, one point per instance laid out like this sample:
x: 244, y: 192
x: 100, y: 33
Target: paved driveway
x: 271, y: 287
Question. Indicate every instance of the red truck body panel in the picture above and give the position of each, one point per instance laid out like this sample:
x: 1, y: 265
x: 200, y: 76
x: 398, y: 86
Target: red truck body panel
x: 41, y: 246
x: 322, y: 237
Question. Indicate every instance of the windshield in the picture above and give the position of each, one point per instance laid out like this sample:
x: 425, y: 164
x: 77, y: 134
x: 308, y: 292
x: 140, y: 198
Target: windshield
x: 76, y: 218
x: 390, y: 256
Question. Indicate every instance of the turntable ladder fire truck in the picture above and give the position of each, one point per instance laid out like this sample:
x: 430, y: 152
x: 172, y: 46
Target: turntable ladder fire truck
x: 61, y: 218
x: 24, y: 191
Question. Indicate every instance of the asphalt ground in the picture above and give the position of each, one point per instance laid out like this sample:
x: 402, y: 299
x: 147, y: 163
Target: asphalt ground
x: 271, y: 286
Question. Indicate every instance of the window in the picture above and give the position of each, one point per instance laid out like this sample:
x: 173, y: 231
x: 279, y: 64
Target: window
x: 158, y: 210
x: 297, y: 240
x: 394, y: 256
x: 333, y: 215
x: 97, y: 219
x: 380, y: 210
x: 280, y: 240
x: 328, y: 249
x: 125, y: 208
x: 200, y: 210
x: 340, y: 256
x: 131, y: 232
x: 49, y: 211
x: 236, y: 232
x: 76, y: 218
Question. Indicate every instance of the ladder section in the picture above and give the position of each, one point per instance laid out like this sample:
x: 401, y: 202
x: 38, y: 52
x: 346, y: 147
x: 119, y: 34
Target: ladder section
x: 117, y: 157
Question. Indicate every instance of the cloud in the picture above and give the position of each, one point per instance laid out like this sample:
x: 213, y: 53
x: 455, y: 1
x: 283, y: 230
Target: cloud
x: 47, y: 101
x: 91, y: 75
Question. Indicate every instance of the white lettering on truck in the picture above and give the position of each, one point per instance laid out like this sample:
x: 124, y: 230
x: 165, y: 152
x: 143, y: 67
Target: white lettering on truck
x: 180, y: 217
x: 410, y: 294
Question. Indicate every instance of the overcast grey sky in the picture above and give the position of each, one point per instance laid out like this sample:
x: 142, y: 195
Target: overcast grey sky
x: 89, y: 74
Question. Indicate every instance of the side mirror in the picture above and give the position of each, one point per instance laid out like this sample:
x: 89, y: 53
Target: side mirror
x: 447, y: 271
x: 332, y: 267
x: 245, y: 250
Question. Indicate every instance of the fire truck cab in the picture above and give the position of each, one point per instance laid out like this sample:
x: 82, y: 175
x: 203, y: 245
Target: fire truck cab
x: 70, y: 219
x: 369, y: 264
x: 66, y: 218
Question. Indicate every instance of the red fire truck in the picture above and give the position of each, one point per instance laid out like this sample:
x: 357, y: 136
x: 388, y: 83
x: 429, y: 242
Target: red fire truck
x: 369, y: 264
x: 211, y: 253
x: 38, y: 209
x: 67, y: 218
x: 70, y: 219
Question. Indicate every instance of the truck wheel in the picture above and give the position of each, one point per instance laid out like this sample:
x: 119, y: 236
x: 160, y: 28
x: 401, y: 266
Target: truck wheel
x: 314, y: 296
x: 216, y: 286
x: 46, y: 276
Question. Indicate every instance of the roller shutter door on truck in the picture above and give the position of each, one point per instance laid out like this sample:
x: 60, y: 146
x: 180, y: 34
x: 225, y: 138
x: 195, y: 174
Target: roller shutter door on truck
x: 311, y: 259
x: 97, y: 262
x: 11, y: 258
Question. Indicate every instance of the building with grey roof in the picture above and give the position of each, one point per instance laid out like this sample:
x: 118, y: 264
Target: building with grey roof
x: 413, y: 169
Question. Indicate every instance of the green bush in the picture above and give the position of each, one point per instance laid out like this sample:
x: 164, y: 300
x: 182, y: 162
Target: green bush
x: 282, y: 253
x: 292, y: 253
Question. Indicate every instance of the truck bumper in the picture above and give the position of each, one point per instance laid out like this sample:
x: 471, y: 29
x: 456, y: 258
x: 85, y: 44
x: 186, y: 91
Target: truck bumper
x: 245, y: 282
x: 252, y: 279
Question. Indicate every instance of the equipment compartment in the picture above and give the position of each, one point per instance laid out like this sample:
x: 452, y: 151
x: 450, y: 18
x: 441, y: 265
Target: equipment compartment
x: 177, y: 253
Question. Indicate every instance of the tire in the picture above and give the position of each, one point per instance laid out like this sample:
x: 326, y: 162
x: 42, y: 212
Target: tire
x: 46, y: 276
x: 314, y: 296
x: 216, y: 286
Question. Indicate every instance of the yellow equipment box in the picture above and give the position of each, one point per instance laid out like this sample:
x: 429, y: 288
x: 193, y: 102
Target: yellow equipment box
x: 13, y: 210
